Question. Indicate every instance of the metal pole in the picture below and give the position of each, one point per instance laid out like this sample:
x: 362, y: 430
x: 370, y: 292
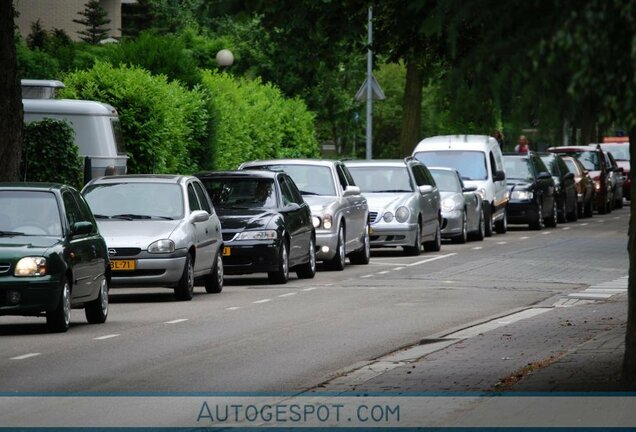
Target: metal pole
x: 369, y: 88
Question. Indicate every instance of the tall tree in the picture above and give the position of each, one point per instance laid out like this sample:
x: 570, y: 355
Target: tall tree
x: 95, y: 18
x: 11, y: 121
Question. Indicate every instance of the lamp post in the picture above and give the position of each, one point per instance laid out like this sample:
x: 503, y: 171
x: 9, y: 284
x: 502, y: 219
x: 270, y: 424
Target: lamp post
x: 224, y: 58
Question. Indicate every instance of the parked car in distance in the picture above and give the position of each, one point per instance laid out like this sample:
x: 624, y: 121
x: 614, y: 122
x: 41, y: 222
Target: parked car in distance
x: 617, y: 180
x: 266, y: 223
x: 52, y: 257
x: 462, y: 212
x: 531, y: 188
x: 620, y: 151
x: 584, y: 186
x: 564, y: 187
x: 339, y: 211
x: 478, y: 159
x: 404, y: 203
x: 593, y: 161
x: 161, y: 231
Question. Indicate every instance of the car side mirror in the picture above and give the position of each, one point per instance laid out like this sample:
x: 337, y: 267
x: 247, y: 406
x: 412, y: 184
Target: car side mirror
x: 569, y: 176
x: 82, y: 228
x: 351, y: 190
x: 499, y: 176
x: 620, y: 170
x: 425, y: 189
x: 291, y: 207
x: 199, y: 216
x: 469, y: 188
x: 544, y: 175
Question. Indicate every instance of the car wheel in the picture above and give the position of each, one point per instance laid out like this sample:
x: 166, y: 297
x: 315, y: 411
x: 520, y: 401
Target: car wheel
x: 281, y: 275
x: 97, y: 310
x: 480, y: 233
x: 338, y: 261
x: 362, y: 255
x: 416, y: 248
x: 436, y: 244
x: 58, y: 320
x: 537, y: 224
x: 552, y: 220
x: 588, y: 210
x: 563, y: 214
x: 574, y: 215
x: 501, y: 226
x: 185, y: 289
x: 214, y: 281
x: 463, y: 237
x: 488, y: 220
x: 618, y: 203
x: 308, y: 270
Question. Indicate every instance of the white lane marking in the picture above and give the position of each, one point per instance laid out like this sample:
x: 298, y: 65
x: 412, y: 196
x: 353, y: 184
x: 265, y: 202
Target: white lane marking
x: 25, y: 356
x: 431, y: 259
x: 448, y: 282
x: 176, y: 321
x: 110, y: 336
x: 262, y: 301
x: 524, y: 238
x: 565, y: 228
x: 328, y: 285
x: 398, y: 268
x: 366, y: 276
x: 288, y: 294
x: 477, y: 248
x: 546, y: 232
x: 617, y: 217
x: 387, y: 263
x: 233, y: 308
x: 502, y: 243
x: 583, y: 224
x: 308, y: 289
x: 383, y: 272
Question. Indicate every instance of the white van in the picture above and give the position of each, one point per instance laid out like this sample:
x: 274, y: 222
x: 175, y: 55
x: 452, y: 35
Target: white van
x: 96, y: 125
x: 479, y: 160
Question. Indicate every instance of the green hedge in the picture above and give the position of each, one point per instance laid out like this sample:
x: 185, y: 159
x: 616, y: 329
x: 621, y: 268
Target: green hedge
x: 165, y: 126
x: 251, y: 120
x: 50, y: 155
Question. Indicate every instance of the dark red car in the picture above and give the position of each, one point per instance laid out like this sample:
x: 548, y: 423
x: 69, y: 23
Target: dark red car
x: 620, y: 151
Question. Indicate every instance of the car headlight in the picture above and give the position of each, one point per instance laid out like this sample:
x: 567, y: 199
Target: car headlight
x: 402, y: 214
x: 315, y: 220
x: 258, y: 235
x: 449, y: 204
x: 31, y: 266
x: 161, y: 246
x: 597, y: 185
x: 521, y: 195
x: 388, y: 217
x: 327, y: 222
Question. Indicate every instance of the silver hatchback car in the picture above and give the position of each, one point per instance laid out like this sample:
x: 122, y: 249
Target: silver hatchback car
x: 161, y: 230
x: 339, y: 212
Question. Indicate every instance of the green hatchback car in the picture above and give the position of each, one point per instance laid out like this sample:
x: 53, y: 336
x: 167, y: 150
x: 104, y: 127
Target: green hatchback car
x: 52, y: 257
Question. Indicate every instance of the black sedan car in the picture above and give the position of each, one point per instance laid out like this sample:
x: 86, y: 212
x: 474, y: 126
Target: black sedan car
x: 266, y: 225
x: 531, y: 191
x: 52, y: 257
x: 564, y: 187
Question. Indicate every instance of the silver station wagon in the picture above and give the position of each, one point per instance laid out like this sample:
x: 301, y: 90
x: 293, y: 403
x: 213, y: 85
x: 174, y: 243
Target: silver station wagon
x: 404, y: 203
x: 161, y: 230
x: 339, y: 212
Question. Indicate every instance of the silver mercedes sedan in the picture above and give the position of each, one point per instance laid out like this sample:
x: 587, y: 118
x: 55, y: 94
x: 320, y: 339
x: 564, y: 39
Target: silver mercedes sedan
x: 161, y: 230
x: 339, y: 212
x: 404, y: 203
x: 462, y: 213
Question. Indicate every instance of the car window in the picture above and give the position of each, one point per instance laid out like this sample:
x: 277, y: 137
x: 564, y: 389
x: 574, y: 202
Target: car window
x: 85, y: 210
x: 418, y: 175
x: 342, y: 178
x: 589, y: 159
x: 377, y: 179
x: 288, y: 196
x: 447, y: 181
x: 551, y: 163
x: 561, y: 164
x: 203, y: 197
x: 310, y: 179
x: 620, y: 152
x: 241, y: 192
x: 72, y: 210
x: 518, y: 168
x: 30, y: 212
x: 295, y: 193
x: 427, y: 175
x: 540, y: 166
x: 348, y: 175
x: 493, y: 164
x: 193, y: 201
x: 470, y: 164
x: 571, y: 166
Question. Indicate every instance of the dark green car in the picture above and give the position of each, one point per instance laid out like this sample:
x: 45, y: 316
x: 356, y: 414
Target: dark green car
x: 52, y: 257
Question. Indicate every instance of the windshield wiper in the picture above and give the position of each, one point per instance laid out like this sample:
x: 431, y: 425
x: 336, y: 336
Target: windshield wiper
x: 10, y: 233
x: 308, y: 193
x: 130, y: 216
x: 101, y: 216
x: 162, y: 217
x: 391, y: 190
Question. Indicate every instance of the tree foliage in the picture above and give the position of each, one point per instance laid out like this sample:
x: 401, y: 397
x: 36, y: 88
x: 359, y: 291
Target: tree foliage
x: 95, y: 18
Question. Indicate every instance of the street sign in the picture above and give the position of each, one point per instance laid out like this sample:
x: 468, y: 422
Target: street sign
x: 376, y: 91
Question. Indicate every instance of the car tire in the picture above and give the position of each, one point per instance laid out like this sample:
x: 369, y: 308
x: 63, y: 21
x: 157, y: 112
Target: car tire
x: 463, y: 236
x: 338, y: 261
x: 97, y: 311
x: 537, y: 224
x: 574, y: 215
x: 363, y: 255
x: 562, y: 217
x: 185, y: 289
x: 588, y: 210
x: 308, y: 270
x: 58, y: 320
x: 488, y: 220
x: 480, y: 233
x: 554, y: 217
x: 618, y: 203
x: 434, y: 245
x: 416, y: 248
x: 281, y: 276
x: 214, y: 281
x: 501, y: 226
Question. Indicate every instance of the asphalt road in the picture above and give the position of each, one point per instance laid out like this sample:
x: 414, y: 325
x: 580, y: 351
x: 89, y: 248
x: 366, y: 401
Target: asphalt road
x: 256, y: 337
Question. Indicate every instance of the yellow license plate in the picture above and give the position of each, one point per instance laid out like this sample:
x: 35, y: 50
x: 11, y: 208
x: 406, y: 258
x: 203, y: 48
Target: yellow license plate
x: 227, y: 251
x: 122, y: 265
x: 370, y: 231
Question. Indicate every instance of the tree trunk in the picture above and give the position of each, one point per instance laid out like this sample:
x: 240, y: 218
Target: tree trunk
x: 629, y: 359
x: 412, y: 112
x: 11, y: 117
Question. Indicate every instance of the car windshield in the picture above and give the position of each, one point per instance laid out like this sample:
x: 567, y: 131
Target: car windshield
x: 446, y: 181
x: 551, y: 163
x: 571, y: 166
x: 518, y: 168
x: 377, y: 179
x: 310, y: 179
x: 32, y: 213
x: 620, y: 152
x: 241, y: 192
x: 589, y: 159
x: 470, y: 164
x: 135, y: 200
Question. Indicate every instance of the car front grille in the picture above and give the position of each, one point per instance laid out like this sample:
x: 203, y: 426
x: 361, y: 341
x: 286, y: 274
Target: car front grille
x: 228, y: 236
x: 4, y: 267
x: 373, y: 215
x: 116, y: 252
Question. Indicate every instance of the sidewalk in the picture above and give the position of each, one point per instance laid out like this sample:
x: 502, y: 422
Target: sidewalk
x: 554, y: 349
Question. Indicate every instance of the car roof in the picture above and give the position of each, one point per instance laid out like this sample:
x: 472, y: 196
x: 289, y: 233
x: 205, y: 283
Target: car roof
x: 240, y: 173
x: 322, y: 162
x: 439, y: 168
x: 571, y: 148
x: 141, y: 178
x: 458, y: 142
x: 33, y: 186
x: 376, y: 162
x: 67, y: 107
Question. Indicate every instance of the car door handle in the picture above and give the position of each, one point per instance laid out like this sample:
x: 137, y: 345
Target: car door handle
x: 94, y: 249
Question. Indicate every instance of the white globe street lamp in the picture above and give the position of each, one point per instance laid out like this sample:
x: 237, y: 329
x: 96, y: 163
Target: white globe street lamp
x: 224, y: 58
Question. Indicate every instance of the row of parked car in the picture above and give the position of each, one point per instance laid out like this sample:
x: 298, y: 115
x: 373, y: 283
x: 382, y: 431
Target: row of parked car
x: 61, y: 249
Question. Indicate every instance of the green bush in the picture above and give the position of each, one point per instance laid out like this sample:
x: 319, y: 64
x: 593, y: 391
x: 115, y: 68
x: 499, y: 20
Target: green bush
x: 50, y: 155
x: 165, y: 126
x: 251, y: 120
x: 36, y: 64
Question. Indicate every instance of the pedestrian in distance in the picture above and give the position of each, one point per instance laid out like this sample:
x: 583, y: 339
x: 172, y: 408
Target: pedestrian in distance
x: 523, y: 146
